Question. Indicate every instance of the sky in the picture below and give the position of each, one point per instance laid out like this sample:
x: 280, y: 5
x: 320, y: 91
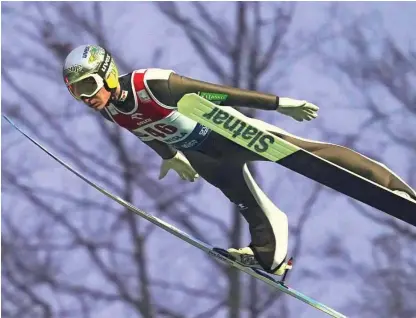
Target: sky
x: 397, y: 18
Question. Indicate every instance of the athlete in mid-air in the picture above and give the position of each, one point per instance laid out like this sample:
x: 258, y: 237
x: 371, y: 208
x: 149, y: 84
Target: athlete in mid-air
x: 145, y: 103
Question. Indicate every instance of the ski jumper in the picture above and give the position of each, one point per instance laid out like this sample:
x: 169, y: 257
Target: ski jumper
x: 147, y: 108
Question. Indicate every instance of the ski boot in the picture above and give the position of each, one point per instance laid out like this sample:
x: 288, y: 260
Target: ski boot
x: 245, y: 256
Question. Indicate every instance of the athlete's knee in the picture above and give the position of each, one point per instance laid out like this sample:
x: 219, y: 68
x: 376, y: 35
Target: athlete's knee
x: 241, y: 198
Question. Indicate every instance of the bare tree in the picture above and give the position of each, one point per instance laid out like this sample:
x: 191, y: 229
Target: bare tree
x: 116, y: 264
x: 68, y: 251
x: 254, y: 50
x: 376, y: 68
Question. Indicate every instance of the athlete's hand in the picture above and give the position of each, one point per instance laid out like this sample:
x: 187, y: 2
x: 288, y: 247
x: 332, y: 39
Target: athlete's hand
x: 299, y: 110
x: 181, y: 165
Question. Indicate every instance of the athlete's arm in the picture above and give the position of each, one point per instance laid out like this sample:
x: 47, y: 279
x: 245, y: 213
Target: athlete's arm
x: 162, y: 149
x: 169, y: 91
x: 172, y: 90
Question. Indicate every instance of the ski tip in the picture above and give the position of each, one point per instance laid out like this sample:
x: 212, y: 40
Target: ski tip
x: 5, y: 117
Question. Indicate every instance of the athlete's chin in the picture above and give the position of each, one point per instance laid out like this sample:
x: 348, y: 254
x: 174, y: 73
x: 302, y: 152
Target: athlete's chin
x: 97, y: 106
x: 100, y: 106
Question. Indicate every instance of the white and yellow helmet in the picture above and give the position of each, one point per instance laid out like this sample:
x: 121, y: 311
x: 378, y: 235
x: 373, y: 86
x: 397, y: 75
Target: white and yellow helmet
x: 85, y: 62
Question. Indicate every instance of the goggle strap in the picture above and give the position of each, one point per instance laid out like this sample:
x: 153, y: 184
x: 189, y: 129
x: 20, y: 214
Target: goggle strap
x: 105, y: 65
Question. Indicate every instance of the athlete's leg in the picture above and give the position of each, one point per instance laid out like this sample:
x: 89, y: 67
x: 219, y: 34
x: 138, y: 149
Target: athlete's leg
x: 278, y: 220
x: 355, y: 162
x: 267, y: 224
x: 346, y: 158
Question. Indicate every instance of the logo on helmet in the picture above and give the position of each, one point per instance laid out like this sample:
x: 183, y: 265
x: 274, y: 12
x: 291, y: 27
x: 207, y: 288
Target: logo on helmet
x: 93, y: 55
x: 73, y: 69
x: 85, y: 53
x: 106, y: 64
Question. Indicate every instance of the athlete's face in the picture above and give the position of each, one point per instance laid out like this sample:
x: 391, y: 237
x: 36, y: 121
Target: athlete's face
x: 99, y: 100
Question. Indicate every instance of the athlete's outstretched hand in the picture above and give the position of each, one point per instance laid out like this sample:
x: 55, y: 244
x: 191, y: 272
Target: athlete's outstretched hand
x: 299, y: 110
x: 181, y: 165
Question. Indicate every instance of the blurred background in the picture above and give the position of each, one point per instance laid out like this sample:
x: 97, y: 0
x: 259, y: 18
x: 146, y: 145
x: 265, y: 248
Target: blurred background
x: 68, y: 251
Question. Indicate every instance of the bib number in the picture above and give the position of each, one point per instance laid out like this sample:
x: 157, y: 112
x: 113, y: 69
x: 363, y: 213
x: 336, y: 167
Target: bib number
x: 161, y: 130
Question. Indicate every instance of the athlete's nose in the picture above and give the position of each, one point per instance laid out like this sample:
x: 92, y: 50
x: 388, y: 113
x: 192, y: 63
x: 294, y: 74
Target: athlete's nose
x: 87, y: 101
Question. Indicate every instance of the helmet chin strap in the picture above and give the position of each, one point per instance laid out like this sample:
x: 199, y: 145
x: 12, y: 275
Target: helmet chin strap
x: 113, y: 96
x: 113, y: 91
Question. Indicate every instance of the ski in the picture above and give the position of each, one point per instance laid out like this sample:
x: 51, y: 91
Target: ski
x: 235, y: 126
x: 218, y: 253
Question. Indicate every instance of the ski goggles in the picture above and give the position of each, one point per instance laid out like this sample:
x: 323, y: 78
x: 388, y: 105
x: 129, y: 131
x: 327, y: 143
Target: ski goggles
x: 87, y: 87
